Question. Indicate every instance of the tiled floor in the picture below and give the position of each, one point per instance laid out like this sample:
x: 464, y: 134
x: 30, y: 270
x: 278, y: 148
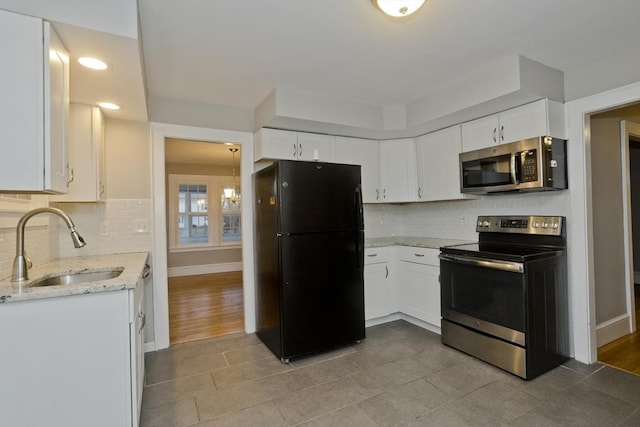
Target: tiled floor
x: 399, y: 375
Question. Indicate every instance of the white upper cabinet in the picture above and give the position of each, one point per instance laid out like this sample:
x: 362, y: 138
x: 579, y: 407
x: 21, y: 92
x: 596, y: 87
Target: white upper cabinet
x: 315, y: 146
x: 438, y: 165
x: 276, y: 144
x: 86, y: 155
x: 540, y: 118
x: 363, y: 152
x: 34, y: 82
x: 398, y: 175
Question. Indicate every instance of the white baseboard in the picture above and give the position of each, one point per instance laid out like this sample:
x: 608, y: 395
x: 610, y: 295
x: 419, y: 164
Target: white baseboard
x: 612, y: 329
x: 405, y: 317
x: 193, y: 270
x: 424, y: 325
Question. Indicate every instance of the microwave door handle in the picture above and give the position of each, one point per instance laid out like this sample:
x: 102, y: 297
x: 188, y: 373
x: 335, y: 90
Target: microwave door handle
x: 514, y: 173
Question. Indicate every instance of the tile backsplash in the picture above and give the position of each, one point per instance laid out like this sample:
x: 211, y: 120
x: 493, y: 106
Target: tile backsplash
x: 118, y: 225
x: 39, y: 244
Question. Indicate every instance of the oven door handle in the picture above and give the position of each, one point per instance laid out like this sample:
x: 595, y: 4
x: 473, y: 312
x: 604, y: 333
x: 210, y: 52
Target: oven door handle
x: 515, y: 267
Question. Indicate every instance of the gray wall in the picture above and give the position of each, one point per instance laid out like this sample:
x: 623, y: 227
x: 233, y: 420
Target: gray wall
x: 608, y: 232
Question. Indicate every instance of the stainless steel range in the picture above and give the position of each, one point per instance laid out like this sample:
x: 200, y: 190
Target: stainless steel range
x: 504, y: 299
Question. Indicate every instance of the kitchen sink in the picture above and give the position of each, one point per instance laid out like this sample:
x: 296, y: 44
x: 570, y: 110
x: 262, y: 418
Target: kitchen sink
x: 79, y: 277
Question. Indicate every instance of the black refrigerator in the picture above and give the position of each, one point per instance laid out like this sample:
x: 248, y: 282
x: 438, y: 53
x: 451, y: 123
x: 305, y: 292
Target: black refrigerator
x: 309, y: 253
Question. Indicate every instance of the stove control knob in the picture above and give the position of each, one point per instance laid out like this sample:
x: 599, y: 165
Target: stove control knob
x: 545, y: 225
x: 536, y: 224
x: 479, y: 223
x: 555, y: 225
x: 485, y: 224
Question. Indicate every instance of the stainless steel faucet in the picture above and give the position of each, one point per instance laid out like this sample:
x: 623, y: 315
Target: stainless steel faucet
x: 21, y: 264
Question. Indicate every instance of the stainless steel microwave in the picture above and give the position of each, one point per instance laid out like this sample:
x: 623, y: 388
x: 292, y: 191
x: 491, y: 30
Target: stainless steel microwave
x: 529, y: 165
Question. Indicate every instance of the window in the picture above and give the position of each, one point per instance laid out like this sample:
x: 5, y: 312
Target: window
x: 204, y: 211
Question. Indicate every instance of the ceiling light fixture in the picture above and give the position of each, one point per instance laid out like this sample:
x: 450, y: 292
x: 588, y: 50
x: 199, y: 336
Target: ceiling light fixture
x: 93, y: 63
x: 398, y: 8
x: 108, y: 105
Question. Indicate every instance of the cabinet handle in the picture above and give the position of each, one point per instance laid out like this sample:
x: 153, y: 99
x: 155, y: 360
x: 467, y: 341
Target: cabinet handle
x: 419, y: 193
x: 295, y: 150
x: 372, y: 255
x: 419, y: 255
x: 502, y: 133
x: 386, y: 271
x: 384, y: 193
x: 146, y: 272
x: 377, y: 194
x: 494, y: 134
x: 71, y: 177
x: 299, y: 150
x: 144, y: 321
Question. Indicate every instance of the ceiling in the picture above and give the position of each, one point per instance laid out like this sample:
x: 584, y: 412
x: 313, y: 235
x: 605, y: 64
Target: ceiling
x: 234, y: 52
x: 201, y: 153
x: 186, y: 61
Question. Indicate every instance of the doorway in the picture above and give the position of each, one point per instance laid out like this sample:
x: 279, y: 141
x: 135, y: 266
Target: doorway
x: 615, y: 153
x: 204, y: 236
x: 159, y: 135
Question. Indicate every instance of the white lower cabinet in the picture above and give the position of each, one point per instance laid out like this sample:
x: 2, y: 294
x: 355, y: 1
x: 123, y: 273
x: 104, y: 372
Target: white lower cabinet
x: 72, y: 361
x: 419, y: 283
x: 379, y: 293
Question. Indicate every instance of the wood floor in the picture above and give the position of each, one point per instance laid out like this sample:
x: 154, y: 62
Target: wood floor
x: 205, y: 306
x: 624, y: 353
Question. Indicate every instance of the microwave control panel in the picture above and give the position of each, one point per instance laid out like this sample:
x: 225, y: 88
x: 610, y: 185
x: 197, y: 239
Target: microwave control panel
x: 529, y: 166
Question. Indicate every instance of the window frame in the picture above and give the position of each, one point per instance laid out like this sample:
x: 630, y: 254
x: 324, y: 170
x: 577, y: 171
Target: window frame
x: 215, y: 185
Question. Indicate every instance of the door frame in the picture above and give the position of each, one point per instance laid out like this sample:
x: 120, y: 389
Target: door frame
x: 580, y: 227
x: 627, y: 130
x: 159, y: 133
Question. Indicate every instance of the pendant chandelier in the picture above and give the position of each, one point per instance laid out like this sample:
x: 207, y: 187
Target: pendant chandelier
x: 398, y: 8
x: 233, y: 195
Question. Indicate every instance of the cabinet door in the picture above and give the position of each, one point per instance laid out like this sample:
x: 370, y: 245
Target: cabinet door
x: 480, y: 133
x: 438, y: 165
x: 315, y: 146
x: 527, y: 121
x: 21, y: 139
x: 75, y: 361
x: 376, y: 290
x: 137, y: 350
x: 275, y: 144
x: 86, y: 155
x: 398, y: 177
x: 56, y: 111
x: 363, y: 152
x: 420, y: 292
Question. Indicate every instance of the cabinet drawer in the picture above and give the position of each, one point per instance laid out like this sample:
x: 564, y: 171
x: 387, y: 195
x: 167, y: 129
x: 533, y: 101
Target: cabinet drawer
x: 378, y: 255
x: 425, y: 256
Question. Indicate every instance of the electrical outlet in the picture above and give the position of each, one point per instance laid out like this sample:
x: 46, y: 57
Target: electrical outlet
x: 141, y: 225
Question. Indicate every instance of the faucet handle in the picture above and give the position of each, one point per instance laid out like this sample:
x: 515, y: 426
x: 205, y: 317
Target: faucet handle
x: 28, y: 261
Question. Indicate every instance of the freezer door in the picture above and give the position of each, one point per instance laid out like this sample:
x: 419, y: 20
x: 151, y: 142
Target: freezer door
x: 319, y: 197
x: 323, y: 291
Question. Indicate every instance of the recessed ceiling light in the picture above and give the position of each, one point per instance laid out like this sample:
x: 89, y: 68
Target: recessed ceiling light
x: 108, y: 105
x: 398, y: 8
x: 93, y: 63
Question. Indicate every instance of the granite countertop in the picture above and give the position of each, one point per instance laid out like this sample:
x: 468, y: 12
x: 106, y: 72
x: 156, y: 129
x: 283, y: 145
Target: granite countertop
x: 133, y: 264
x: 416, y: 242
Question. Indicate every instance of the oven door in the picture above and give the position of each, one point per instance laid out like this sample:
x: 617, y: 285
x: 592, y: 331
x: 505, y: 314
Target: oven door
x: 484, y: 295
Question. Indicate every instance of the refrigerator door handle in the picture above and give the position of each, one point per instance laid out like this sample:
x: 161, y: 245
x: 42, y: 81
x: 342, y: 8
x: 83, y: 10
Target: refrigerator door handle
x: 359, y: 209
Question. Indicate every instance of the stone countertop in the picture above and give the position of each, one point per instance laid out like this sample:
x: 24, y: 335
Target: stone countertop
x: 133, y: 264
x: 416, y: 242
